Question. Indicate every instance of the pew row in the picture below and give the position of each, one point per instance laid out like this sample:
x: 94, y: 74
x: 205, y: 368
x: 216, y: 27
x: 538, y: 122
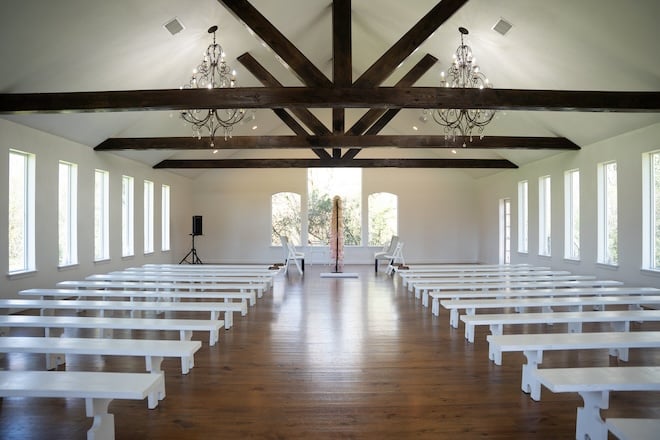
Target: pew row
x: 425, y: 291
x: 259, y: 288
x: 146, y: 295
x: 214, y: 308
x: 97, y: 388
x: 573, y: 303
x: 185, y: 327
x: 533, y: 346
x: 56, y: 349
x: 594, y: 384
x: 620, y: 319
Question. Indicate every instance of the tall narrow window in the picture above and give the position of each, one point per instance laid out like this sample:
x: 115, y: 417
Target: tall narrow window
x: 572, y: 214
x: 127, y: 221
x: 383, y: 215
x: 505, y: 231
x: 545, y: 213
x: 68, y: 214
x: 21, y: 238
x: 148, y: 216
x: 285, y: 217
x: 651, y: 211
x: 607, y: 214
x: 165, y: 218
x: 101, y: 215
x: 523, y: 216
x: 322, y: 185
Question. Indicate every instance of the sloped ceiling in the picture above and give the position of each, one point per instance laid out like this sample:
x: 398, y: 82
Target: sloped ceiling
x: 82, y: 45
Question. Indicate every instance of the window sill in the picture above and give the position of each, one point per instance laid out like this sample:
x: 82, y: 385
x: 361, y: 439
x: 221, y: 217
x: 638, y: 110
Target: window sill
x: 67, y: 267
x: 572, y: 260
x: 19, y: 275
x: 651, y: 272
x: 103, y: 261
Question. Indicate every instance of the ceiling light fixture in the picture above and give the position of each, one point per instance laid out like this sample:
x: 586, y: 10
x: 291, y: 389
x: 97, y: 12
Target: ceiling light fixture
x: 463, y: 73
x: 213, y: 73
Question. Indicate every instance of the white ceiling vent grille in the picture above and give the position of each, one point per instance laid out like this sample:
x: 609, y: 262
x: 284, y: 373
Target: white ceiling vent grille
x: 174, y: 26
x: 502, y: 26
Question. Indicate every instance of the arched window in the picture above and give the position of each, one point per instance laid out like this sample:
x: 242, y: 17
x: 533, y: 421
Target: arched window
x: 285, y: 217
x: 383, y: 214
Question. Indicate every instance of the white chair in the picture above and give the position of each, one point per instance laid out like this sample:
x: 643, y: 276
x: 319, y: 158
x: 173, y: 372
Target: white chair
x: 290, y: 254
x: 395, y: 258
x: 387, y: 252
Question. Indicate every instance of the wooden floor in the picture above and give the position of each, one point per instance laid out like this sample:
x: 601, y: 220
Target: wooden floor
x: 332, y: 358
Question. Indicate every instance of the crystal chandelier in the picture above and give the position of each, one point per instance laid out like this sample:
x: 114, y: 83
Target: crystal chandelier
x: 212, y: 73
x: 465, y: 73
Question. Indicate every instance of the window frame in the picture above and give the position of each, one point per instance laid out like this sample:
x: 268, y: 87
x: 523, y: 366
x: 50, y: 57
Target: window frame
x: 101, y: 215
x: 605, y: 218
x: 148, y: 216
x: 27, y: 222
x: 572, y: 214
x: 127, y: 216
x: 545, y: 216
x: 523, y: 216
x: 67, y: 214
x: 165, y: 218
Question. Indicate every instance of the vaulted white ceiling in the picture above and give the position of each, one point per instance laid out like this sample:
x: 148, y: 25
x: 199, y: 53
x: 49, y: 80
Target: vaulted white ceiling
x: 83, y: 45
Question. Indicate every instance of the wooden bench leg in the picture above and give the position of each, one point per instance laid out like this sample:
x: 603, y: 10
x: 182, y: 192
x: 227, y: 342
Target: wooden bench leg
x: 435, y: 308
x: 103, y: 427
x: 530, y: 383
x: 589, y: 425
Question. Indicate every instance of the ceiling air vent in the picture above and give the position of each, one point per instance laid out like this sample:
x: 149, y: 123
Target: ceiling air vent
x: 502, y: 26
x: 174, y: 26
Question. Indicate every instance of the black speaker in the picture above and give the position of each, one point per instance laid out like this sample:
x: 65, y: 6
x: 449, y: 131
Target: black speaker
x: 197, y: 225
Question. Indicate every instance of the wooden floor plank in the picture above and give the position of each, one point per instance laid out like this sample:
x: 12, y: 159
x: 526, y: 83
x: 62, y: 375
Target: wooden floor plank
x: 333, y: 358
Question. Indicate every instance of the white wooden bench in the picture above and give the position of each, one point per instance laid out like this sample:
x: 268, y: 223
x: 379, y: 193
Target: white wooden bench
x: 620, y: 319
x: 185, y: 327
x: 594, y: 385
x: 97, y: 388
x: 150, y: 295
x: 427, y: 290
x: 214, y: 308
x: 634, y: 429
x: 423, y: 283
x: 408, y: 277
x: 573, y: 303
x: 533, y: 346
x: 56, y: 349
x: 180, y: 278
x: 436, y: 297
x: 259, y: 288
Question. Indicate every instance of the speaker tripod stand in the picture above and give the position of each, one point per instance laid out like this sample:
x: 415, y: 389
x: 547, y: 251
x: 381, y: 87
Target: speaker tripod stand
x: 192, y: 254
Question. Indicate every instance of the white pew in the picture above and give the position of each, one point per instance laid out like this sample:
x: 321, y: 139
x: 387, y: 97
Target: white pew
x: 573, y: 303
x: 214, y: 308
x: 180, y: 278
x: 185, y: 327
x: 436, y: 297
x: 620, y: 319
x: 512, y: 286
x: 97, y: 388
x: 634, y: 429
x: 259, y: 288
x: 594, y: 385
x: 408, y: 276
x: 265, y: 276
x: 56, y: 349
x: 533, y: 346
x: 422, y: 283
x: 151, y: 295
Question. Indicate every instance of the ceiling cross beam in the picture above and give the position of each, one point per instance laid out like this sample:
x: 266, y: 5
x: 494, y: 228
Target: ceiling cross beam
x: 336, y: 163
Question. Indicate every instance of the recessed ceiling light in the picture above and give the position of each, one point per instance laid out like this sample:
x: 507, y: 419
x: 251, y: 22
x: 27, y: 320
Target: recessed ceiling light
x: 254, y: 127
x: 453, y: 151
x: 415, y: 128
x: 174, y: 26
x: 502, y: 26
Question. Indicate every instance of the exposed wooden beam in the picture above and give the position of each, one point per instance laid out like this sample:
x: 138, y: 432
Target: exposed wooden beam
x: 385, y: 65
x: 353, y: 163
x: 408, y: 80
x: 365, y: 141
x: 300, y: 65
x: 268, y: 80
x: 342, y: 46
x: 382, y: 97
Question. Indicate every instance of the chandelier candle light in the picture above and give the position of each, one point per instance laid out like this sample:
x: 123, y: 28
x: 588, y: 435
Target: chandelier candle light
x: 464, y: 73
x: 213, y: 73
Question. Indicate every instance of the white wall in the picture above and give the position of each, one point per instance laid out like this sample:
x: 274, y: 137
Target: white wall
x: 49, y: 150
x: 437, y: 213
x: 627, y: 151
